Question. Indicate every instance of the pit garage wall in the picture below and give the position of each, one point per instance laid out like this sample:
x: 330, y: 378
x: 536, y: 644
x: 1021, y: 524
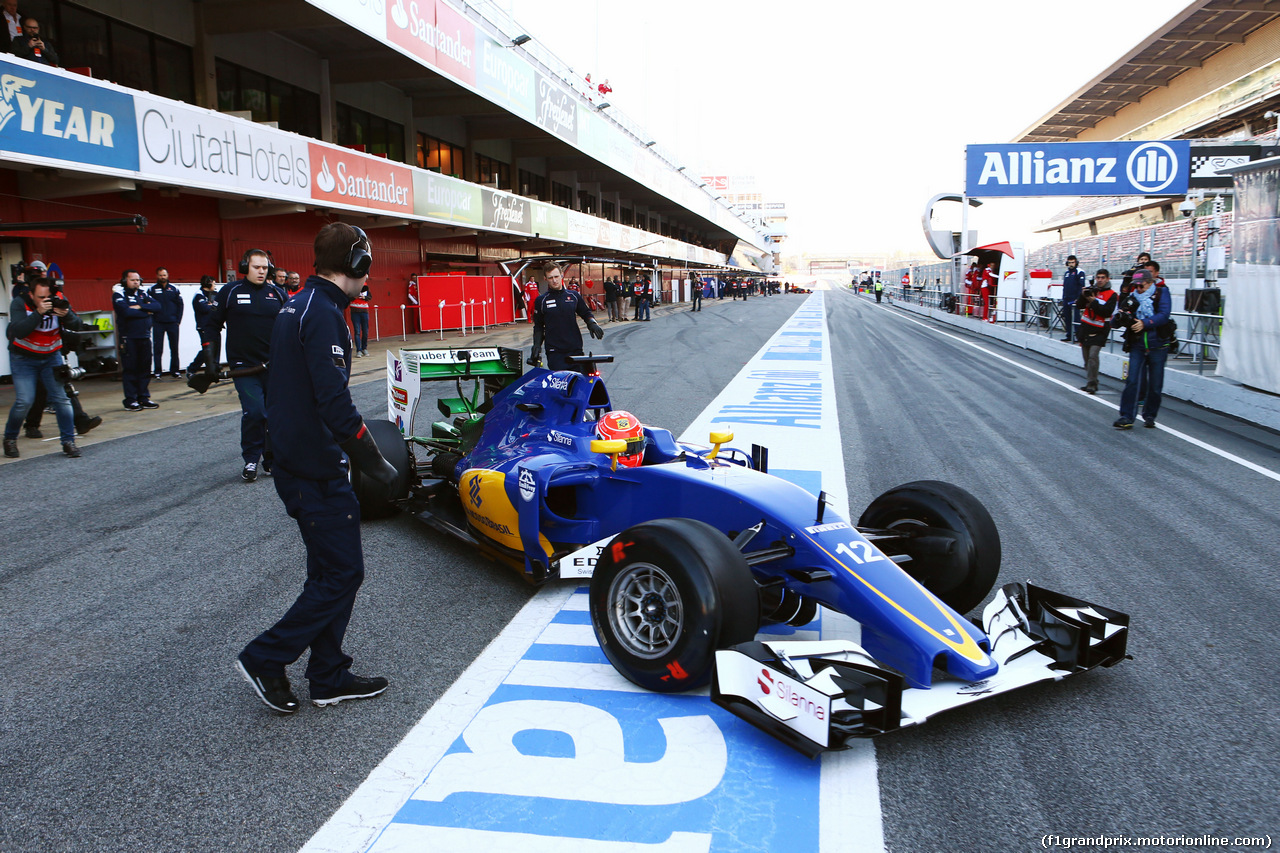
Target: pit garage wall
x: 1251, y: 327
x: 187, y: 235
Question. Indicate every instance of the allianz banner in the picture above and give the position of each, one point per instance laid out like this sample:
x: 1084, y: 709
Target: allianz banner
x: 1078, y: 169
x: 52, y: 117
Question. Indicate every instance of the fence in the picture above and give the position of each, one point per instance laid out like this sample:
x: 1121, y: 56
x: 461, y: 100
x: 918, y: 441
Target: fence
x: 1199, y: 335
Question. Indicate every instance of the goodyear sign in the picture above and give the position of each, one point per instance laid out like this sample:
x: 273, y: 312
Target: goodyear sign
x: 48, y: 115
x: 1078, y: 169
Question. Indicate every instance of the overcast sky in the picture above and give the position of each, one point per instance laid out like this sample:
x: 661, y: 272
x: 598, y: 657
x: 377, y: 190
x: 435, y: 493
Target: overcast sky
x: 854, y: 113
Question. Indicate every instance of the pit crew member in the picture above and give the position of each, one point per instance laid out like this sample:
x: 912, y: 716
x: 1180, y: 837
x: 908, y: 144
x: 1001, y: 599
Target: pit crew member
x: 135, y: 309
x: 205, y: 305
x: 247, y: 308
x: 315, y: 422
x: 555, y: 321
x: 167, y: 323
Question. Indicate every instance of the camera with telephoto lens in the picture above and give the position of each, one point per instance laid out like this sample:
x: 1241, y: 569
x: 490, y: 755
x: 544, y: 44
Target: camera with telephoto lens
x: 59, y: 303
x: 67, y: 373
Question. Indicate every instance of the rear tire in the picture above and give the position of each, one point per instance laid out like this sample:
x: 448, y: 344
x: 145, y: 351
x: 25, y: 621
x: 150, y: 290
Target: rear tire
x: 962, y: 578
x: 376, y: 500
x: 665, y: 595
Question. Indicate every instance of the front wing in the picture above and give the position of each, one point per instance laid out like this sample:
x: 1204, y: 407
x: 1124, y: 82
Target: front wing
x: 818, y: 695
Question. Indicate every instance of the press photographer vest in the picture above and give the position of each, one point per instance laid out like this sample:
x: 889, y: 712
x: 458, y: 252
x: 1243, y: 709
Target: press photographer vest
x: 47, y: 337
x: 1087, y: 315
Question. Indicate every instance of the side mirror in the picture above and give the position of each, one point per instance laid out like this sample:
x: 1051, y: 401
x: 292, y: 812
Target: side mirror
x: 611, y: 447
x: 717, y: 439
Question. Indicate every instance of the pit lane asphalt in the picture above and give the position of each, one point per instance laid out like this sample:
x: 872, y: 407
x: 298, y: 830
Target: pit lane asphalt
x: 141, y: 569
x: 1180, y: 741
x: 124, y: 727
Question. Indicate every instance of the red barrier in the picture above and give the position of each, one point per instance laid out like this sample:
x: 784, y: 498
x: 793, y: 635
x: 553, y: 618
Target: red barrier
x: 448, y: 302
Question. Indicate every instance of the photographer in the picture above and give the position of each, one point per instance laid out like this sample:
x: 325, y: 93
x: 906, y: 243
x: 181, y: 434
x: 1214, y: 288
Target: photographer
x: 35, y: 415
x: 1096, y: 304
x: 36, y: 320
x: 1144, y: 315
x: 1126, y: 278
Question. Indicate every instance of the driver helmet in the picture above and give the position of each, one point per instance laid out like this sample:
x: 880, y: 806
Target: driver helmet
x: 626, y: 426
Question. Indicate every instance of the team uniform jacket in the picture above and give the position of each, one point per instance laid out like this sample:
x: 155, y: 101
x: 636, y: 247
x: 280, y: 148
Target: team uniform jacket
x: 555, y: 320
x: 248, y: 312
x: 134, y: 313
x: 170, y: 299
x: 35, y: 334
x: 309, y: 405
x: 1073, y: 282
x: 205, y: 306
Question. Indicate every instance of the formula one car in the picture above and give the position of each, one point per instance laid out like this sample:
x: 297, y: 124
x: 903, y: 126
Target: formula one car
x: 691, y: 549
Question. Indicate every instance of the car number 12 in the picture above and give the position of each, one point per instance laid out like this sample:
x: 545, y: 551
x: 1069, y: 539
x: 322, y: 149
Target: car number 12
x: 859, y: 551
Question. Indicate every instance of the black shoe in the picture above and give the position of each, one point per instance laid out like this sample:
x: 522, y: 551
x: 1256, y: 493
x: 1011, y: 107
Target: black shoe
x: 32, y: 432
x: 85, y: 424
x: 176, y: 374
x: 1086, y: 389
x: 1149, y: 423
x: 273, y: 690
x: 147, y: 404
x: 358, y: 688
x: 69, y: 448
x: 1123, y: 423
x: 11, y: 448
x: 1065, y: 340
x: 133, y: 407
x: 157, y: 376
x: 250, y: 472
x: 264, y: 467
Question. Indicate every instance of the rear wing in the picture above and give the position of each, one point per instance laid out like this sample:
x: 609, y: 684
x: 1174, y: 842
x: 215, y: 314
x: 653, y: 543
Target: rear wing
x: 407, y: 369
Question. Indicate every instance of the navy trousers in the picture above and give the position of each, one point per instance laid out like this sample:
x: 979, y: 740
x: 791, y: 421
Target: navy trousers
x: 135, y: 370
x: 328, y: 517
x: 253, y: 415
x: 159, y: 331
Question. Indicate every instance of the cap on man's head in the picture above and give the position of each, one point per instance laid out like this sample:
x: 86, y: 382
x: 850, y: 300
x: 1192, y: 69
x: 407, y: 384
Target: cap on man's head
x: 1139, y: 276
x: 37, y: 265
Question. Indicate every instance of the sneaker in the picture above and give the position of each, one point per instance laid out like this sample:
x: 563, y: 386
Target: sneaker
x: 69, y: 448
x: 1149, y: 423
x: 147, y: 404
x: 250, y: 472
x: 157, y: 376
x: 1123, y: 423
x: 86, y: 424
x: 358, y: 688
x: 11, y: 448
x: 133, y: 407
x: 32, y: 432
x: 365, y: 353
x: 274, y: 691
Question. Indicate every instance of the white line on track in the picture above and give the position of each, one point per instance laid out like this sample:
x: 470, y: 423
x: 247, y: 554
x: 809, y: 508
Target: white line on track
x: 1230, y: 457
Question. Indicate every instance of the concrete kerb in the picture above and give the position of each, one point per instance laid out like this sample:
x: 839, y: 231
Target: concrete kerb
x: 1212, y: 392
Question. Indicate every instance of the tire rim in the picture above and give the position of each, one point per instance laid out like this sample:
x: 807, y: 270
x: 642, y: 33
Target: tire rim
x: 646, y: 613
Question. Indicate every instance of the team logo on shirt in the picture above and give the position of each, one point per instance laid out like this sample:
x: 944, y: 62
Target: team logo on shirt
x: 337, y: 350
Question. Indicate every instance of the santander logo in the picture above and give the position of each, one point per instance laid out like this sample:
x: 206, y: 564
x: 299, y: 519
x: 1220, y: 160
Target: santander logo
x: 360, y: 181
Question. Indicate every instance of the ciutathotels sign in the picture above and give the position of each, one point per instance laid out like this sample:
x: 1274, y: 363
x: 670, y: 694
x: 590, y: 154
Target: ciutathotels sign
x: 1078, y: 169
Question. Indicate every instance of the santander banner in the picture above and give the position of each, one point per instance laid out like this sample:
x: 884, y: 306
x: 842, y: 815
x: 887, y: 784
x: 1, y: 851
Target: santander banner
x: 350, y: 178
x: 436, y: 33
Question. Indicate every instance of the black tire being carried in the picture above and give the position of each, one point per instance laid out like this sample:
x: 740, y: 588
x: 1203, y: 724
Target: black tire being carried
x: 665, y: 595
x: 376, y: 500
x: 962, y: 577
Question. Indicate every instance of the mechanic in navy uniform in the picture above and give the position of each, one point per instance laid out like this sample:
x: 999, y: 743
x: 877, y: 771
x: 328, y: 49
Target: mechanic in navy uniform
x: 555, y: 321
x: 205, y: 305
x: 248, y: 309
x: 167, y: 322
x: 134, y: 310
x: 315, y: 423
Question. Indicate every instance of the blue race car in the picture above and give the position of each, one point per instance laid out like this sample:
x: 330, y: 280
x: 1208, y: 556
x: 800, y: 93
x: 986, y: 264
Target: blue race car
x: 691, y: 550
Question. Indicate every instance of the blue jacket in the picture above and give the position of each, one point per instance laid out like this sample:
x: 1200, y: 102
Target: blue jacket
x: 205, y: 306
x: 248, y: 312
x: 1073, y: 282
x: 170, y: 300
x: 309, y: 407
x: 1161, y: 307
x: 134, y: 312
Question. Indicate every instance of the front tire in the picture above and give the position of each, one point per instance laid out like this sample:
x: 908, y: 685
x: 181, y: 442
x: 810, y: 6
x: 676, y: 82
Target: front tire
x: 376, y: 500
x: 961, y: 578
x: 665, y: 595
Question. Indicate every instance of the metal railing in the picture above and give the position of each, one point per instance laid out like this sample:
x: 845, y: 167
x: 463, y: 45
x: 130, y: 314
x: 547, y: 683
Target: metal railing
x: 1199, y: 335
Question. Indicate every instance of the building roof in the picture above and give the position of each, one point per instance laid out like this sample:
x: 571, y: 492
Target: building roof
x: 1202, y: 29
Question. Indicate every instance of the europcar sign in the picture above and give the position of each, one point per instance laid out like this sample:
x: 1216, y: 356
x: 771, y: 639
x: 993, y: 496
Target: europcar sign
x: 1078, y: 169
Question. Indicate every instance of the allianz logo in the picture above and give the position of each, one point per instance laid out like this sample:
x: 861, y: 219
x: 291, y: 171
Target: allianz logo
x: 1149, y: 168
x: 49, y: 117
